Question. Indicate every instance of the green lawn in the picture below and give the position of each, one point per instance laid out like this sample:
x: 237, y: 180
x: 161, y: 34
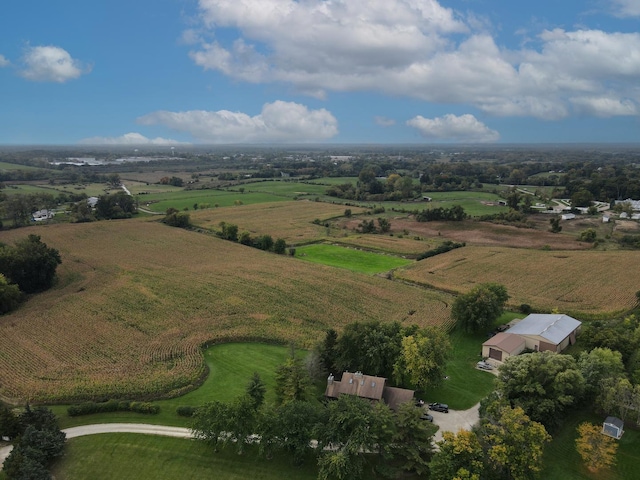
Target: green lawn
x: 123, y: 456
x: 231, y: 366
x: 465, y: 385
x: 350, y: 258
x: 562, y: 462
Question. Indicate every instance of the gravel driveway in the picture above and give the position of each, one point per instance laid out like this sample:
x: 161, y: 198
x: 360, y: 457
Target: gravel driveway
x: 455, y: 420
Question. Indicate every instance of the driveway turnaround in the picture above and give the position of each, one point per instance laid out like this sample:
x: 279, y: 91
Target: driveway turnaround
x: 455, y: 420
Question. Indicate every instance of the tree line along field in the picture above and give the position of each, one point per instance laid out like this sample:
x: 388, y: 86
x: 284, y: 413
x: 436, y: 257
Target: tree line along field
x: 137, y: 299
x: 580, y: 283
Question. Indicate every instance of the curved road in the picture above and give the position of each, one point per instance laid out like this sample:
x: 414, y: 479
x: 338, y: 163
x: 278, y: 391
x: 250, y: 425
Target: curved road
x: 448, y: 422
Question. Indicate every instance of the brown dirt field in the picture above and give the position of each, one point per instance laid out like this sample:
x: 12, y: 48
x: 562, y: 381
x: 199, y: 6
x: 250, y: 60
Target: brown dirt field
x: 484, y: 233
x: 588, y: 283
x: 136, y: 300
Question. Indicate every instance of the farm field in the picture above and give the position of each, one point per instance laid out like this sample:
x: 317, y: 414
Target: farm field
x: 136, y: 300
x: 117, y: 456
x: 580, y: 283
x: 484, y: 233
x: 290, y: 220
x: 185, y: 199
x: 350, y: 258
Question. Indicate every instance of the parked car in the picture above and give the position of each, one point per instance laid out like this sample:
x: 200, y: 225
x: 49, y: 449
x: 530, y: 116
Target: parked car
x: 439, y: 407
x: 484, y: 365
x: 427, y: 417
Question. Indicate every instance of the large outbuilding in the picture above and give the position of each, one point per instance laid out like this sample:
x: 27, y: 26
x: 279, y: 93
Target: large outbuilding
x: 538, y: 332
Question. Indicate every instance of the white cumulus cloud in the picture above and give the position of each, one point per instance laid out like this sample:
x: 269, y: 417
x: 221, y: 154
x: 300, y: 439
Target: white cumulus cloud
x: 129, y: 139
x: 285, y: 122
x: 3, y: 61
x: 626, y: 8
x: 51, y: 64
x: 419, y: 49
x: 464, y: 128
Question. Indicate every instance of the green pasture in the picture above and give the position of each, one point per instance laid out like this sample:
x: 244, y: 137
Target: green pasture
x: 11, y: 167
x: 90, y: 189
x: 327, y: 181
x: 28, y: 189
x: 230, y: 365
x: 143, y: 188
x: 350, y: 258
x: 112, y: 456
x: 283, y: 187
x: 185, y: 199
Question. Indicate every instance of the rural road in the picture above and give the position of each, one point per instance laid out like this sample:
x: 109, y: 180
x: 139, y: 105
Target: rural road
x: 448, y: 422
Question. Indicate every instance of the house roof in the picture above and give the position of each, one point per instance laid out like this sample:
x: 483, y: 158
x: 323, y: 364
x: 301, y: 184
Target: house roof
x: 358, y: 384
x: 394, y: 397
x: 614, y: 421
x: 552, y: 327
x: 507, y: 342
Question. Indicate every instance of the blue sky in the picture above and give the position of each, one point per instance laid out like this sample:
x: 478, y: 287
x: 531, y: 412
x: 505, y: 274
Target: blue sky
x: 312, y: 71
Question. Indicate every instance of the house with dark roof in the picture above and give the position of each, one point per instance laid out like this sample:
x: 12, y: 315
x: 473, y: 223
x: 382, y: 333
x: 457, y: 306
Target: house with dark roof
x: 369, y: 387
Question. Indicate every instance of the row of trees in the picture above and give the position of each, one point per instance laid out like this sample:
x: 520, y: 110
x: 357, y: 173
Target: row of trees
x: 348, y: 437
x: 407, y: 356
x: 229, y: 231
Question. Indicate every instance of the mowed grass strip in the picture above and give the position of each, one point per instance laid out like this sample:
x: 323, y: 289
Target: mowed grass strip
x: 580, y: 282
x: 120, y: 456
x: 137, y: 299
x: 350, y: 258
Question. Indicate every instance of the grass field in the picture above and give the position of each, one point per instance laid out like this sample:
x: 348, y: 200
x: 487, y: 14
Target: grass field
x: 185, y: 199
x: 583, y: 283
x: 285, y: 188
x: 350, y: 258
x: 398, y: 245
x: 121, y: 456
x: 137, y: 299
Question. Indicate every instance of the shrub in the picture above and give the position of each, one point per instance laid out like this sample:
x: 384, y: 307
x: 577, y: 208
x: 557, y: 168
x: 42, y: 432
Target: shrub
x: 186, y: 411
x: 88, y: 408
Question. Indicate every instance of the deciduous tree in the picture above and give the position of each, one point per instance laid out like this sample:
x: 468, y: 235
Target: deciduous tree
x: 479, y: 308
x: 514, y: 444
x: 459, y: 455
x: 30, y: 264
x: 544, y: 384
x: 422, y: 358
x: 597, y: 451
